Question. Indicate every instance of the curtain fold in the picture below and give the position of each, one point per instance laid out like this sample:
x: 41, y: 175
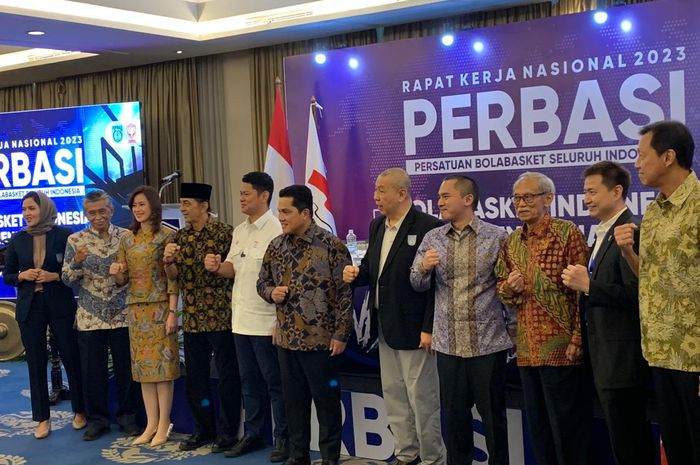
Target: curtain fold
x: 210, y: 83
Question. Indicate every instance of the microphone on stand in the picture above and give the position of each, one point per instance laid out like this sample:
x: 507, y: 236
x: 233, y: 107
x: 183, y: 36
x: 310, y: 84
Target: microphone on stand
x: 171, y: 177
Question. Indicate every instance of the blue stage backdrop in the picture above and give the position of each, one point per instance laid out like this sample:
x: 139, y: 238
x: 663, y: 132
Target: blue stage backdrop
x: 66, y: 152
x: 552, y: 95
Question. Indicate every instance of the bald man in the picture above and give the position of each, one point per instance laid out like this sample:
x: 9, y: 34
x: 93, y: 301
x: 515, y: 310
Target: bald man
x: 405, y: 318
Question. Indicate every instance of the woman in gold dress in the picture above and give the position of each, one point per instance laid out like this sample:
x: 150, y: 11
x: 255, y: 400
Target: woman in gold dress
x: 152, y: 301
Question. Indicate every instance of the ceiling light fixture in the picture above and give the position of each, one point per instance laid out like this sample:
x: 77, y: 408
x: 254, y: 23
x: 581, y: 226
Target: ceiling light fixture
x: 35, y: 33
x: 37, y: 56
x: 600, y: 17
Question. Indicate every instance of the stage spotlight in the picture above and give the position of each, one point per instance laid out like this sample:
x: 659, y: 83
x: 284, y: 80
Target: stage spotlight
x: 447, y: 40
x: 320, y: 58
x: 478, y: 46
x: 353, y: 63
x: 600, y: 17
x: 626, y: 25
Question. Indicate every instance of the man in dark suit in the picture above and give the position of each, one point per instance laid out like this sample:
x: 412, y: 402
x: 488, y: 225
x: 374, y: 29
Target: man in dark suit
x: 405, y: 321
x: 610, y: 302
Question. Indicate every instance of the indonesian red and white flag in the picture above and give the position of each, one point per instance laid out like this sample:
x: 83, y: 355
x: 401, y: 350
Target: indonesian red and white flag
x: 316, y: 177
x: 278, y: 160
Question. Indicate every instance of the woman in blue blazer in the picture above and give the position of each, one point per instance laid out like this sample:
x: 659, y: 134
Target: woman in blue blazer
x: 33, y: 262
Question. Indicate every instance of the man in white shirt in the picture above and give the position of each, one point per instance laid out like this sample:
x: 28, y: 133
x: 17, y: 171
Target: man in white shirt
x: 254, y: 319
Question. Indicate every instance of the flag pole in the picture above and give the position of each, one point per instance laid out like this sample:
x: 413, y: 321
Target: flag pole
x: 314, y: 104
x: 316, y: 176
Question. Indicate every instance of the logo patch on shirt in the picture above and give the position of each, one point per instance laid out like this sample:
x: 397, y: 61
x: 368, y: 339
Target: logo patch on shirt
x: 412, y: 239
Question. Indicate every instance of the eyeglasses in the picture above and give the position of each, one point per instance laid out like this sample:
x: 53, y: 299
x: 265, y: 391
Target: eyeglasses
x: 529, y: 199
x: 103, y: 212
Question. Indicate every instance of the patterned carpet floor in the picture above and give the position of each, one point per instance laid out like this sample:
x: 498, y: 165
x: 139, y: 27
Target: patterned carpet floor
x: 65, y: 445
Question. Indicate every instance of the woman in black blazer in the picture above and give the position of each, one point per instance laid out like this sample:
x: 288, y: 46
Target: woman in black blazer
x: 33, y: 262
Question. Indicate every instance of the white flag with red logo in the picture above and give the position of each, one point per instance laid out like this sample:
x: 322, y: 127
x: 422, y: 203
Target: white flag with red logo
x: 278, y: 160
x: 316, y: 177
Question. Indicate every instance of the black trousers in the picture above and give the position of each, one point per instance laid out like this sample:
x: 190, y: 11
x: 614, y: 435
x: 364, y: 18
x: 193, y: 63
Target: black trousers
x: 308, y: 376
x: 559, y: 412
x: 678, y: 405
x: 33, y: 331
x: 95, y: 347
x: 625, y: 412
x: 198, y: 355
x: 463, y: 383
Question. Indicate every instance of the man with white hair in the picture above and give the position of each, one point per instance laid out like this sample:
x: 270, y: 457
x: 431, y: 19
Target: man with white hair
x: 549, y: 347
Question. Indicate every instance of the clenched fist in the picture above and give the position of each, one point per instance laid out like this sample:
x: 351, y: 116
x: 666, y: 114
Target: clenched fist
x: 624, y: 237
x: 350, y: 273
x: 279, y: 294
x: 81, y: 254
x: 116, y: 268
x: 170, y: 251
x: 576, y: 277
x: 212, y: 262
x: 515, y: 283
x: 431, y: 259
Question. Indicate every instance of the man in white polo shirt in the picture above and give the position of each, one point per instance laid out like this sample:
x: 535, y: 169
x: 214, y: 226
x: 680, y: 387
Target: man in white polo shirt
x: 254, y: 319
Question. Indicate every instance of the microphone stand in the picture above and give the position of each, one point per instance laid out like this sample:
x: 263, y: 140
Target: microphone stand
x: 166, y: 184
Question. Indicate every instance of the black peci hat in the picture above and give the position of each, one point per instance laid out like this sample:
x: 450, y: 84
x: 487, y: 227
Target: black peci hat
x: 194, y: 190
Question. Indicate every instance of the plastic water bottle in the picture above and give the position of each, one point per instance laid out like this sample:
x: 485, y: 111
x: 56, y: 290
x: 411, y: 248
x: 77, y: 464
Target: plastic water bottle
x: 351, y: 244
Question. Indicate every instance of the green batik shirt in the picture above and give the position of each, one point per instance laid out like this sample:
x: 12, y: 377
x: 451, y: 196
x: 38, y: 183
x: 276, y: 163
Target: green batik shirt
x: 669, y: 279
x: 206, y: 297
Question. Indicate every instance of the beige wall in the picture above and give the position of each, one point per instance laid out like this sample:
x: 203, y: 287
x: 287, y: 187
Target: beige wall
x: 238, y: 124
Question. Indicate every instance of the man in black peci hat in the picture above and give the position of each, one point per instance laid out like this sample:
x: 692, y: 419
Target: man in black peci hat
x: 206, y: 320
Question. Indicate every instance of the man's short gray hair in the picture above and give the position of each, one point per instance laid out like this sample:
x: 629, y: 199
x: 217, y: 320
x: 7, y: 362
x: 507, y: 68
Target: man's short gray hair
x: 97, y: 195
x: 400, y: 178
x: 545, y: 182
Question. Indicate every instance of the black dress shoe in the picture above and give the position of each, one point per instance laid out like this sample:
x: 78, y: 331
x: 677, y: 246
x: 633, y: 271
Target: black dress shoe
x: 195, y: 441
x: 329, y: 462
x: 222, y: 445
x: 131, y: 429
x: 94, y: 431
x: 280, y: 451
x: 296, y: 461
x: 246, y: 444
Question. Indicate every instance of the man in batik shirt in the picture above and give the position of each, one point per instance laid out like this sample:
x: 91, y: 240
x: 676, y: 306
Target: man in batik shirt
x: 302, y: 273
x: 472, y: 328
x: 556, y: 387
x: 206, y: 320
x: 101, y: 318
x: 668, y: 266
